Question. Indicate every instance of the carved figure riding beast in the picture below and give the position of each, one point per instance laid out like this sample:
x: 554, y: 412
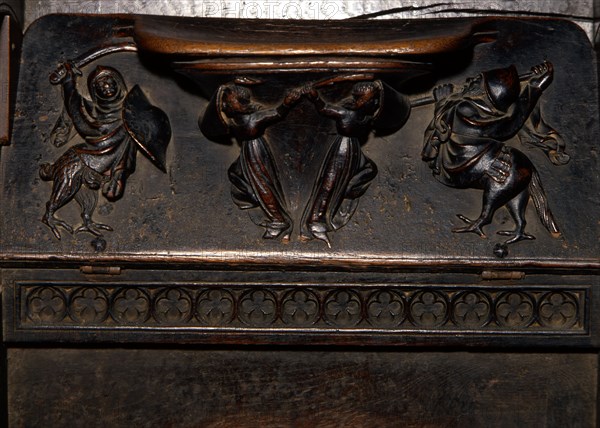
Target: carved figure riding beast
x: 464, y: 145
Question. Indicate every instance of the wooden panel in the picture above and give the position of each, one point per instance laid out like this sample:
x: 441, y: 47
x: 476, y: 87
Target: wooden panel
x: 302, y: 388
x: 229, y: 307
x: 404, y: 220
x: 10, y: 45
x: 395, y: 276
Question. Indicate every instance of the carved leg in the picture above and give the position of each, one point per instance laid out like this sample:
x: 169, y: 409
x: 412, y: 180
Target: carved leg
x: 113, y: 190
x: 52, y: 222
x: 255, y: 185
x: 516, y: 208
x: 344, y: 177
x: 509, y: 185
x: 492, y: 200
x: 87, y: 199
x: 66, y: 174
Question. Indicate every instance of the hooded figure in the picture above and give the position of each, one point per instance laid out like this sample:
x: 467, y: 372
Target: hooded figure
x: 108, y: 154
x: 464, y: 144
x: 477, y: 119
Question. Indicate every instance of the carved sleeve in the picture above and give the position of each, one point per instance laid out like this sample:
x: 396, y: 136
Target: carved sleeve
x: 74, y: 103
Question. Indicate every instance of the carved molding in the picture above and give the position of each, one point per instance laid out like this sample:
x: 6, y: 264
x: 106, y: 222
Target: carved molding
x: 296, y: 307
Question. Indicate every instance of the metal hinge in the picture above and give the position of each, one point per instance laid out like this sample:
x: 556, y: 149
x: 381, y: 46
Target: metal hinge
x: 502, y: 274
x: 100, y: 270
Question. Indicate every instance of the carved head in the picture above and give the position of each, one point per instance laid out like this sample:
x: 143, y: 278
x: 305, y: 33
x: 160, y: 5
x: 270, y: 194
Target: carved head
x: 236, y: 99
x: 502, y: 86
x: 106, y: 86
x: 364, y: 93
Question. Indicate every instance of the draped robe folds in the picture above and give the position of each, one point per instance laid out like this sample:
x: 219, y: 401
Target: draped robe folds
x: 108, y: 151
x: 345, y: 174
x: 344, y: 178
x: 466, y: 130
x: 254, y: 183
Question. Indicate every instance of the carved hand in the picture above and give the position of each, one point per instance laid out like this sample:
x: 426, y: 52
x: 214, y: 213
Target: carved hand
x: 310, y: 91
x: 542, y: 75
x: 66, y: 69
x: 292, y: 97
x: 443, y: 91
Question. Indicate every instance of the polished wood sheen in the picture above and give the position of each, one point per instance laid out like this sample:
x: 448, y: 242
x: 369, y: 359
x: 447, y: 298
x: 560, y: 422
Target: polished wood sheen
x: 230, y: 223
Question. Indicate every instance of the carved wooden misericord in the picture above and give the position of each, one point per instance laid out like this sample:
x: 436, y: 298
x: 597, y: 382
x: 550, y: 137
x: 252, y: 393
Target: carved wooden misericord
x: 351, y: 93
x: 464, y: 145
x: 309, y: 151
x: 286, y: 247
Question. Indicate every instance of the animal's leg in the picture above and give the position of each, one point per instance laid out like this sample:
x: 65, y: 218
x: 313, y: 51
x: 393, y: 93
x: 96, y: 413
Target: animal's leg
x: 516, y: 207
x: 87, y: 199
x: 492, y: 200
x: 65, y: 185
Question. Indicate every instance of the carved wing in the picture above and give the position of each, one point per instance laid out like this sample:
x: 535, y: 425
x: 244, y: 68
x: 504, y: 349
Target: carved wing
x: 148, y: 126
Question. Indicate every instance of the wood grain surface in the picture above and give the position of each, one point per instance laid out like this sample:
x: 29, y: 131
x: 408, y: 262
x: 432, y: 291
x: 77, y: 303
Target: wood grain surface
x: 299, y: 388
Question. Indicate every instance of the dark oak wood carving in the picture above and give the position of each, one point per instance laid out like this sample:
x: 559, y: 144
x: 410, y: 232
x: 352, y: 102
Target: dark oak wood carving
x: 323, y: 125
x: 324, y: 130
x: 464, y: 145
x: 342, y: 96
x: 255, y: 184
x: 115, y: 124
x: 400, y: 308
x: 345, y: 172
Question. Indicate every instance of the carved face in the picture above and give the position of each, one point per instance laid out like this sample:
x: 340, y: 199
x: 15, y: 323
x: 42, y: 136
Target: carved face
x: 364, y: 94
x: 236, y: 99
x: 106, y: 87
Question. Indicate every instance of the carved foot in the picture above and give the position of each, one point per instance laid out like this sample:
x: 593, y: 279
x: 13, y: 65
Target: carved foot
x: 317, y: 231
x: 93, y: 228
x: 53, y: 223
x: 474, y: 227
x: 113, y: 190
x: 516, y: 236
x: 322, y: 236
x: 275, y: 230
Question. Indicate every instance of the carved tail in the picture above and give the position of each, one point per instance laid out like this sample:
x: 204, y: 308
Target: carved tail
x: 541, y: 205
